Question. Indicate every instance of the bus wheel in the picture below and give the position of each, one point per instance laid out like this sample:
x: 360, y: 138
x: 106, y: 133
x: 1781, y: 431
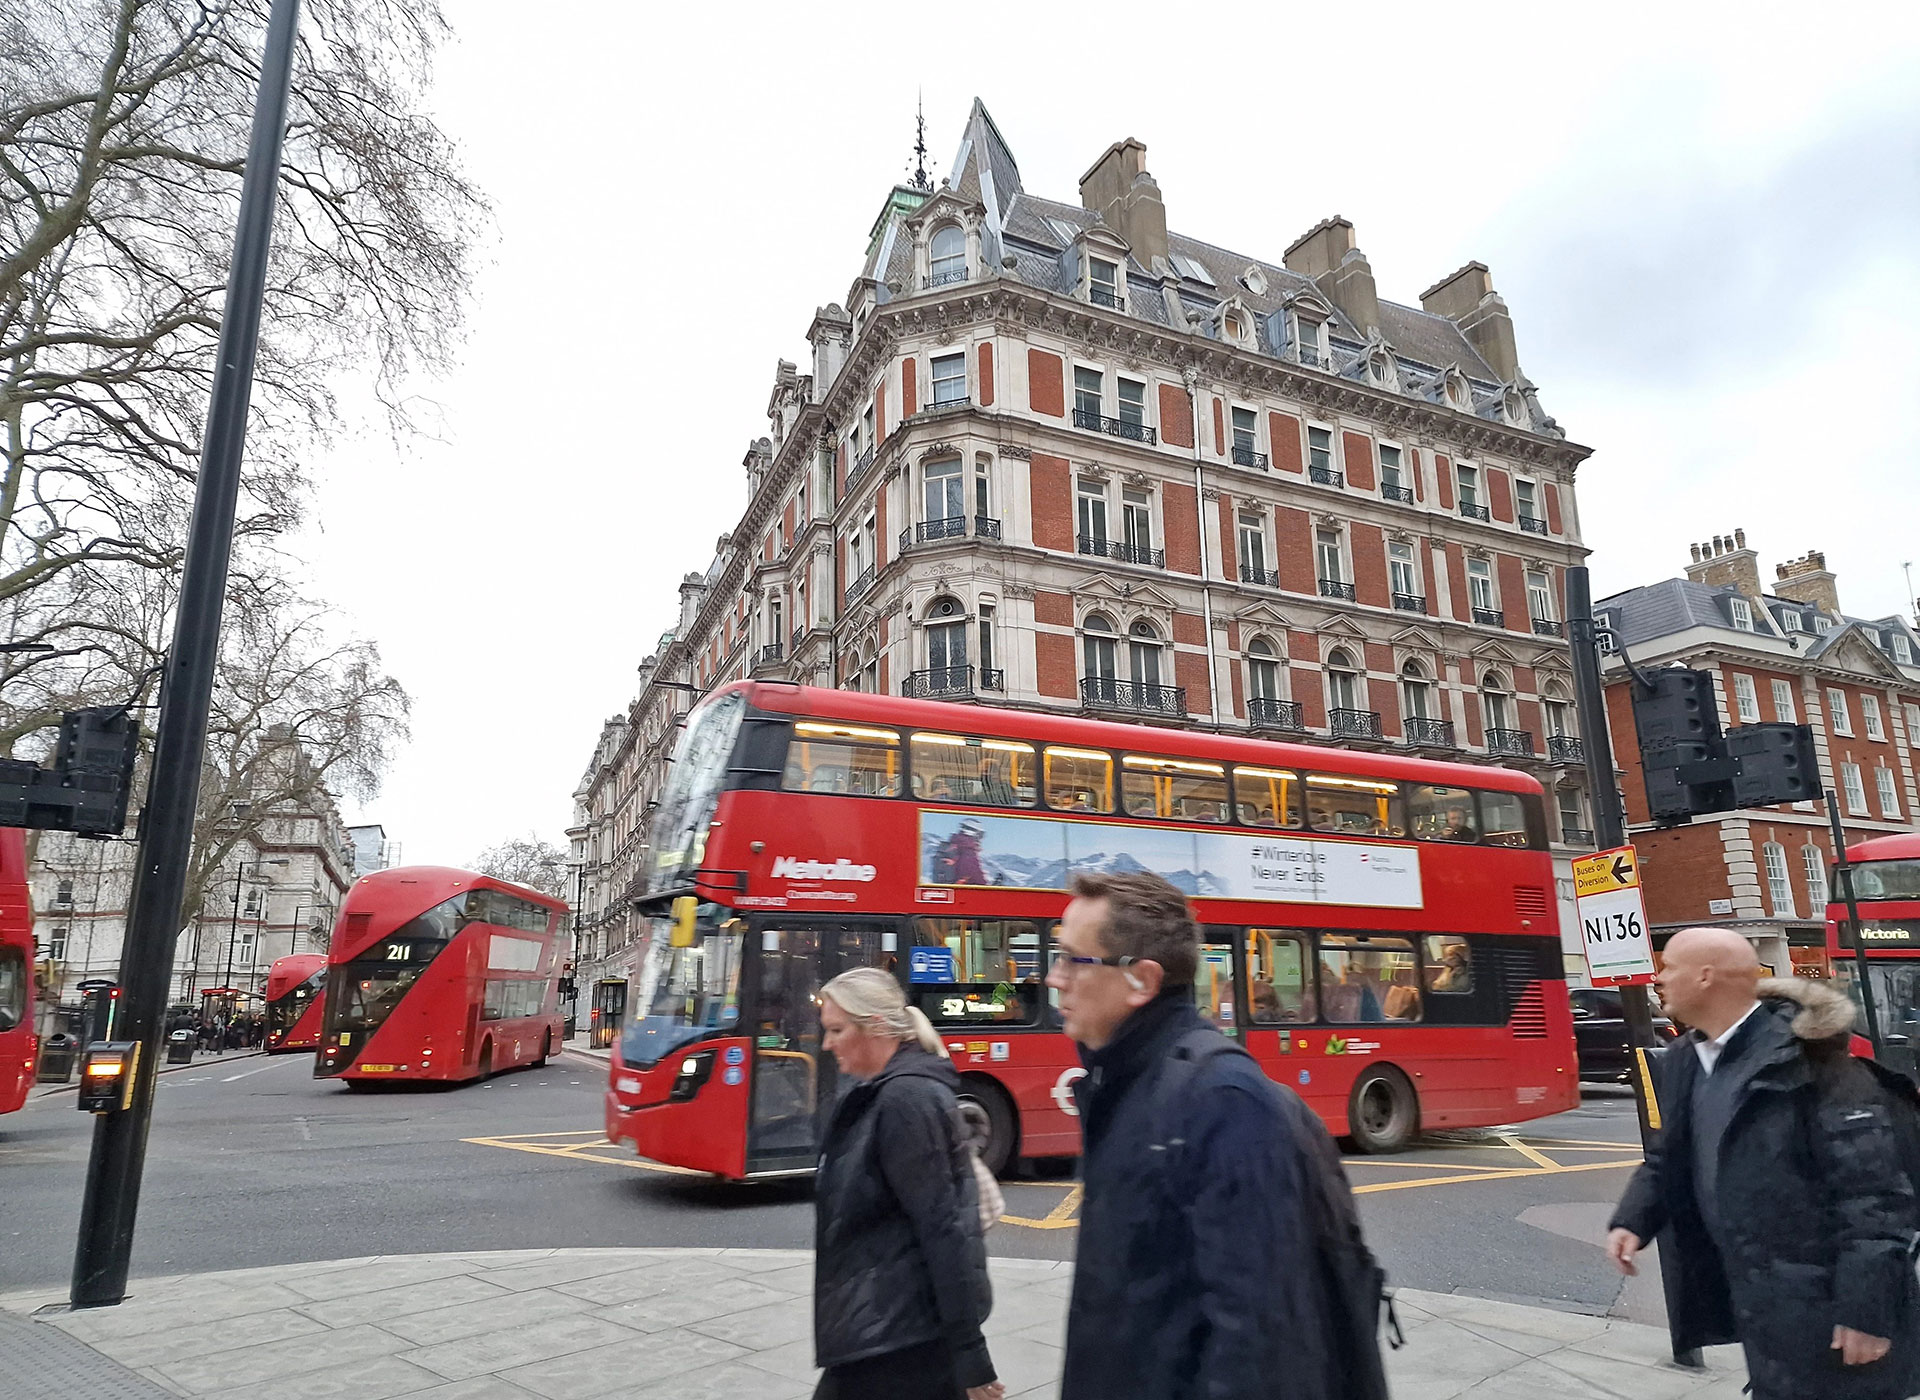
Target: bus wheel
x: 546, y: 1049
x: 486, y: 1059
x: 1384, y: 1113
x: 1003, y: 1129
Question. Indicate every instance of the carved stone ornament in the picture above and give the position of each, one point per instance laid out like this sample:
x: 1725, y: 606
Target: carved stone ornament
x: 1138, y: 479
x: 1016, y: 452
x: 1023, y: 591
x: 1478, y: 551
x: 939, y: 449
x: 1093, y: 471
x: 1326, y: 521
x: 1212, y: 493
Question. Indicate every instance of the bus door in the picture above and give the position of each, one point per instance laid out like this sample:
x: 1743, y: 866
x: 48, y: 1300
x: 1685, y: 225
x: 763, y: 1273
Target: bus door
x: 609, y: 1012
x: 793, y: 1078
x: 1280, y: 1004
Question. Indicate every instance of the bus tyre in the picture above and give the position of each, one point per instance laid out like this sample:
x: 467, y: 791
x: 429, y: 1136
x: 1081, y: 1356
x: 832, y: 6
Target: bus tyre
x: 1003, y: 1130
x: 486, y: 1059
x: 1384, y: 1112
x: 546, y: 1049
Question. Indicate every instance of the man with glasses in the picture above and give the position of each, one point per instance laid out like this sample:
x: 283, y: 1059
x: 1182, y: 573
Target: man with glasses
x: 1196, y: 1272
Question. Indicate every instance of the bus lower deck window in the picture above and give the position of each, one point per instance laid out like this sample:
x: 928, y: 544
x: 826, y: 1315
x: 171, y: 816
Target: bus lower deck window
x: 1368, y: 979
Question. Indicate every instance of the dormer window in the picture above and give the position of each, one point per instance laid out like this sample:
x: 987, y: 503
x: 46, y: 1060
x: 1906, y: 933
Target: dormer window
x: 1103, y: 283
x: 1307, y: 342
x: 1902, y: 651
x: 1458, y: 394
x: 1254, y: 280
x: 1822, y: 623
x: 1380, y: 370
x: 1514, y: 409
x: 949, y: 256
x: 1230, y: 327
x: 1742, y: 613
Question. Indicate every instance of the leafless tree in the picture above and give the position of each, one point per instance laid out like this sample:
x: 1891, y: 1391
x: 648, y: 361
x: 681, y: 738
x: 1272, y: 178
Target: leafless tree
x: 530, y: 861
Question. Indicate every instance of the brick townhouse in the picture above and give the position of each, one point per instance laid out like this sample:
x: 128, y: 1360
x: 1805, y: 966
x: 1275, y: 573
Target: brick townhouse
x: 1788, y: 654
x: 1053, y: 455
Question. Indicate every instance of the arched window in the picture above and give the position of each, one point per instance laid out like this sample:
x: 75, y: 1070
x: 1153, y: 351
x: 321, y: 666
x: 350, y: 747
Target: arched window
x: 946, y: 645
x: 949, y: 250
x: 1343, y: 683
x: 1417, y: 692
x: 1556, y: 714
x: 1380, y: 367
x: 1100, y: 650
x: 1263, y: 671
x: 1143, y: 654
x: 1497, y: 702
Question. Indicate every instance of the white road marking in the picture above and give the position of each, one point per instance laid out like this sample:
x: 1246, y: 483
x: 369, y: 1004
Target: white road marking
x: 245, y: 1072
x: 306, y: 1133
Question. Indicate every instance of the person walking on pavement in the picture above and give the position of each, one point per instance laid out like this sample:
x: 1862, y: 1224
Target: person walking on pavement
x: 1196, y: 1269
x: 1779, y: 1181
x: 900, y: 1264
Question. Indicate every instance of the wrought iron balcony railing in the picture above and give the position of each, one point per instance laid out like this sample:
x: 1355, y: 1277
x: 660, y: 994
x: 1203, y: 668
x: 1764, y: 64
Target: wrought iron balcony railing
x: 951, y: 527
x: 1113, y: 427
x: 986, y: 527
x: 1533, y: 525
x: 770, y: 653
x: 1575, y: 836
x: 1308, y: 354
x: 1245, y: 456
x: 1515, y: 743
x: 1325, y: 476
x: 1430, y: 733
x: 1548, y: 627
x: 1474, y: 512
x: 1354, y: 724
x: 1489, y: 617
x: 1410, y: 602
x: 1263, y: 578
x: 859, y: 467
x: 1103, y: 548
x: 1266, y: 713
x: 1140, y: 697
x: 799, y: 636
x: 1397, y: 493
x: 949, y: 399
x: 1334, y: 588
x: 1566, y: 748
x: 862, y: 585
x: 947, y: 278
x: 993, y: 679
x: 939, y: 683
x: 1105, y: 296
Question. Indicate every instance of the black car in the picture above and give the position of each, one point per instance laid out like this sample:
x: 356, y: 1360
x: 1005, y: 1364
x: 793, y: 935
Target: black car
x: 1600, y: 1032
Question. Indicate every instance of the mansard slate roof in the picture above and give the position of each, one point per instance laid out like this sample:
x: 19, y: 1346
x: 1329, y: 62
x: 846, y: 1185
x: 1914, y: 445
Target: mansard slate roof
x: 1675, y: 605
x: 1032, y: 231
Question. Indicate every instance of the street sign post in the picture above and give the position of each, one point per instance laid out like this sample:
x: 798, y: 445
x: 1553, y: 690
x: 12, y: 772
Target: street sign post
x: 1613, y: 919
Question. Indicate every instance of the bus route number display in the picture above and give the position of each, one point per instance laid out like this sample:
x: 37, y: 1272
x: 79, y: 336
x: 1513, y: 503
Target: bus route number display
x: 1613, y: 918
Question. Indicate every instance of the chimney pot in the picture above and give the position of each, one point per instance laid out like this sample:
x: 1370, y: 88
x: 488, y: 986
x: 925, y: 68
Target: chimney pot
x: 1740, y: 539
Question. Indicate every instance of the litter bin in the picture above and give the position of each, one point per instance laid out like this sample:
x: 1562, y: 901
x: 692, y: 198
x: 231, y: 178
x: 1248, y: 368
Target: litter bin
x: 180, y: 1048
x: 57, y: 1054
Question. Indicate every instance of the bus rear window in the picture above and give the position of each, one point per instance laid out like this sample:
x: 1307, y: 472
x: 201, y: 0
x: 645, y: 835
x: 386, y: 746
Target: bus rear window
x: 1503, y: 818
x: 984, y: 772
x: 849, y: 759
x: 1079, y: 780
x: 1354, y: 806
x: 1173, y: 787
x: 1267, y: 796
x: 1437, y: 813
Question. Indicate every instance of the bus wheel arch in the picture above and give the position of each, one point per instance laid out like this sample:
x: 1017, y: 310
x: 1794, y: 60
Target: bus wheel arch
x: 486, y: 1058
x: 546, y: 1048
x: 1003, y: 1137
x: 1383, y: 1111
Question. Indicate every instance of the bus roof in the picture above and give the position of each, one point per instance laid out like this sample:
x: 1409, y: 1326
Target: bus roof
x: 1905, y: 846
x: 433, y: 884
x: 863, y: 707
x: 16, y: 905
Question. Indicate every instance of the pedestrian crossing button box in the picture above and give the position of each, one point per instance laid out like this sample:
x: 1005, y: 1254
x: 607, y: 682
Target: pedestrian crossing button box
x: 106, y: 1075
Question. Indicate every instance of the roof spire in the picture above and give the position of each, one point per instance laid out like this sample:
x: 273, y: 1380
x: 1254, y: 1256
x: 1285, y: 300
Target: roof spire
x: 920, y: 179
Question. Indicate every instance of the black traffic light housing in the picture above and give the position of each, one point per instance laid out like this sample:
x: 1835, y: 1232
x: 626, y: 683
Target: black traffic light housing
x: 86, y: 789
x: 106, y: 1075
x: 1773, y: 763
x: 1692, y: 767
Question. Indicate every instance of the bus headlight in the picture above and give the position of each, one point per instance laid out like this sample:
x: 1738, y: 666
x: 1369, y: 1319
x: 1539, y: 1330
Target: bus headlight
x: 695, y: 1070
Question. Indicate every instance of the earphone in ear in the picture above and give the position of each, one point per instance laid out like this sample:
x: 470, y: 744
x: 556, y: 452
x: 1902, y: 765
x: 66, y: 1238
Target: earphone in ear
x: 1134, y: 982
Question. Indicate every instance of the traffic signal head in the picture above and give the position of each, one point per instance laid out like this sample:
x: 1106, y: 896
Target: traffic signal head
x: 1773, y: 763
x: 106, y: 1076
x: 86, y: 789
x: 1679, y: 706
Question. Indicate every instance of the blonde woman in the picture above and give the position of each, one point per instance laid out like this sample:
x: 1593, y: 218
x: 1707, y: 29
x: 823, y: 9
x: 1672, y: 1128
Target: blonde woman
x: 900, y: 1266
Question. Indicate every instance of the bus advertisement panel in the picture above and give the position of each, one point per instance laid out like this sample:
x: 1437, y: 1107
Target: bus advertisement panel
x: 1886, y: 889
x: 441, y: 974
x: 19, y: 1046
x: 296, y: 994
x: 1378, y: 931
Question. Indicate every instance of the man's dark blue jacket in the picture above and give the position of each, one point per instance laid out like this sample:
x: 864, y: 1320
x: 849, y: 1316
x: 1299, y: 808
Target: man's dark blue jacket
x: 1196, y: 1263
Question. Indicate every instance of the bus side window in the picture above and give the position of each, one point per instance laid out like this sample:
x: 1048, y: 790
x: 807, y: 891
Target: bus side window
x: 1267, y: 797
x: 1437, y: 813
x: 1503, y: 816
x: 986, y: 772
x: 1079, y: 780
x: 1355, y: 806
x: 1368, y: 978
x: 1279, y: 989
x: 1173, y: 787
x: 1213, y: 986
x: 1449, y: 964
x: 842, y: 758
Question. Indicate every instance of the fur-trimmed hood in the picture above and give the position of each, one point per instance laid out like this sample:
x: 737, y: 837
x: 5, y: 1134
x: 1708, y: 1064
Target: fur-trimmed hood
x: 1825, y: 1012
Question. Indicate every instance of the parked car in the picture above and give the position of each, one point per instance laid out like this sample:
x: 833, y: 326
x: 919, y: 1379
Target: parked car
x: 1600, y: 1032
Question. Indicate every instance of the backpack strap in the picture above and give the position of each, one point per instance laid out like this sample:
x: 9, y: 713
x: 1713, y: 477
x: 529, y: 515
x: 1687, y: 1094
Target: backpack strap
x: 1190, y: 1052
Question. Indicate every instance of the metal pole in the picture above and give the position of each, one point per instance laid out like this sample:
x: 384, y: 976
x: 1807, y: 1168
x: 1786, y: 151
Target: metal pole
x: 112, y: 1198
x: 233, y: 932
x: 1843, y: 868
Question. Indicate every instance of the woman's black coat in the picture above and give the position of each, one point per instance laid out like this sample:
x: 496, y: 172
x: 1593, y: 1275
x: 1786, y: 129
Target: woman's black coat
x: 899, y: 1257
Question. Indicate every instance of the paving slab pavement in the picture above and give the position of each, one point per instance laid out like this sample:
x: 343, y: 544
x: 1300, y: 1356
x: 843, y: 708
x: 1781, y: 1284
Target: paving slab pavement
x: 691, y: 1324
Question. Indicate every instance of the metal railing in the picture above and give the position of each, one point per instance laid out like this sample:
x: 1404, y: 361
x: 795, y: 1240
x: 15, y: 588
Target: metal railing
x: 1105, y: 296
x: 1430, y: 733
x: 1516, y: 743
x: 1533, y: 525
x: 1397, y: 493
x: 1354, y: 724
x: 1101, y: 547
x: 1489, y: 617
x: 859, y: 467
x: 799, y: 636
x: 771, y: 653
x: 1575, y: 836
x: 1264, y: 578
x: 992, y: 678
x: 1108, y: 693
x: 1410, y: 602
x: 861, y: 585
x: 1245, y: 456
x: 1334, y: 588
x: 1474, y: 512
x: 1547, y: 627
x: 1566, y: 748
x: 951, y: 527
x: 1265, y: 713
x: 986, y: 527
x: 1325, y: 476
x: 947, y: 278
x: 1308, y: 354
x: 1113, y: 427
x: 939, y: 682
x: 959, y: 400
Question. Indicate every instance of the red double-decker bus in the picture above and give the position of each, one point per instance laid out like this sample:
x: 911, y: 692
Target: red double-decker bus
x: 19, y: 1046
x: 441, y: 974
x: 1379, y: 931
x: 1886, y: 889
x: 296, y: 994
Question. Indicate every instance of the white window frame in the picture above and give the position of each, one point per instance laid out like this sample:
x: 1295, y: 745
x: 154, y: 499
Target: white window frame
x: 1100, y: 407
x: 1526, y: 500
x: 1480, y: 571
x: 1234, y: 410
x: 1466, y: 484
x: 1093, y: 496
x: 1339, y: 556
x: 1790, y: 620
x: 1813, y: 861
x: 1399, y: 568
x: 1838, y: 718
x: 1742, y: 613
x: 1870, y: 717
x: 1913, y: 725
x: 1773, y: 858
x: 959, y: 358
x: 1117, y: 286
x: 1822, y: 624
x: 1132, y: 511
x: 1332, y: 463
x: 1901, y: 647
x: 1250, y: 528
x: 1263, y: 671
x: 1120, y: 384
x: 1785, y: 709
x: 1540, y: 599
x: 934, y: 260
x: 1855, y: 789
x: 1309, y: 341
x: 1746, y: 698
x: 1889, y: 792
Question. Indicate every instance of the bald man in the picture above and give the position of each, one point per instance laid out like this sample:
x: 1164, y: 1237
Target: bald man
x: 1778, y: 1181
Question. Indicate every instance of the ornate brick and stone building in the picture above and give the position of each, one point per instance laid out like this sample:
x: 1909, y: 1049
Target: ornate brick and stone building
x: 1785, y: 654
x: 1054, y: 455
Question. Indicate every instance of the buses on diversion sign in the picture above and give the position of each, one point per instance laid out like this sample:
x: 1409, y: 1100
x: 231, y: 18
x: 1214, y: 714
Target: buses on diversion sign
x: 1380, y: 932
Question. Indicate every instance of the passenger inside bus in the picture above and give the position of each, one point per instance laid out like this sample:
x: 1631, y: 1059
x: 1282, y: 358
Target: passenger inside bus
x: 1354, y: 806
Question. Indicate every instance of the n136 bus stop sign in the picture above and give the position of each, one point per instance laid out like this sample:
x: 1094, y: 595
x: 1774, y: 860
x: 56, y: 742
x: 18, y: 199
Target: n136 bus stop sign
x: 1613, y: 921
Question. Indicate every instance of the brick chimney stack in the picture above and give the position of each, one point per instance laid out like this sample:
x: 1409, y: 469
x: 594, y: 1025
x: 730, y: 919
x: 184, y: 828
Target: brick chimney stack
x: 1807, y: 580
x: 1725, y: 561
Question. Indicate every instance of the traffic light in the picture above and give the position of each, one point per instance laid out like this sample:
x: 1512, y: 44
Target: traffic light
x: 86, y: 789
x: 1773, y: 763
x: 1681, y: 748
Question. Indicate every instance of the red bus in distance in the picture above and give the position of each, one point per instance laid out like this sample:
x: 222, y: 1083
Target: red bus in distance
x: 19, y: 1046
x: 440, y: 974
x: 1886, y: 889
x: 1379, y: 931
x: 296, y: 994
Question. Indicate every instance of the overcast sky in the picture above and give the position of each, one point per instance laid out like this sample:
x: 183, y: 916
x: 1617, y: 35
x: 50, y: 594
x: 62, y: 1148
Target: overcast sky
x: 1705, y: 220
